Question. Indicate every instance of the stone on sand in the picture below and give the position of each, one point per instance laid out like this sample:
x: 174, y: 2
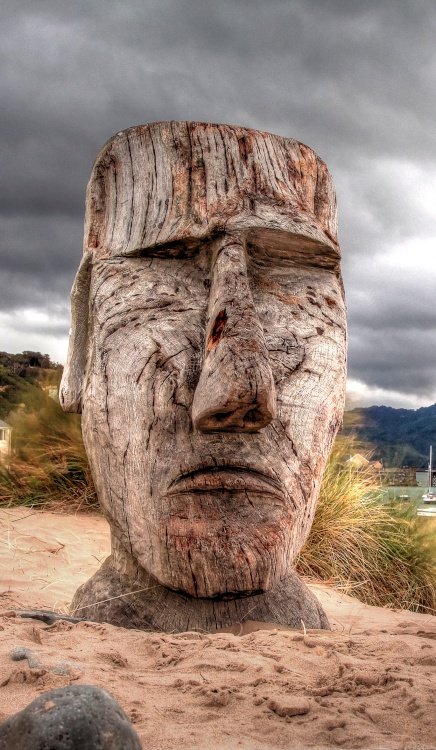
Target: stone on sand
x: 77, y: 717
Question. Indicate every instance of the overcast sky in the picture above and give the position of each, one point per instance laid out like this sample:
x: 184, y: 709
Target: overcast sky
x: 354, y: 79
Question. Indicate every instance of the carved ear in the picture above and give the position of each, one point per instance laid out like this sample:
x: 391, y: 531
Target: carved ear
x: 70, y: 392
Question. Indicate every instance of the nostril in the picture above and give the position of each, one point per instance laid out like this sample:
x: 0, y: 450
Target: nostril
x: 254, y: 416
x: 221, y: 416
x: 235, y: 420
x: 217, y: 330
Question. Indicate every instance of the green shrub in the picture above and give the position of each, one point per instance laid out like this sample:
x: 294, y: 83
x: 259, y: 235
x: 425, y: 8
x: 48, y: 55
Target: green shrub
x: 381, y: 553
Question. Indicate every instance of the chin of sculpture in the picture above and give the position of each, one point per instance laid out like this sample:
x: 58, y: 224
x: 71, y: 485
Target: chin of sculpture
x: 207, y: 357
x: 135, y: 600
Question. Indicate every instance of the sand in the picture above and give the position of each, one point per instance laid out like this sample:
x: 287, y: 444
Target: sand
x: 369, y: 683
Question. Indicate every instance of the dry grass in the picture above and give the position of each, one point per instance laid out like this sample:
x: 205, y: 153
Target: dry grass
x: 49, y: 467
x: 382, y: 553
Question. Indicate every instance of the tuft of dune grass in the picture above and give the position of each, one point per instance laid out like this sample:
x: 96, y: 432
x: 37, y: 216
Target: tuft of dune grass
x: 378, y: 551
x: 49, y: 467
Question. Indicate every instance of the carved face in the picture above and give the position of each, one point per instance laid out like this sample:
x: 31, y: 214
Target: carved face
x: 214, y: 390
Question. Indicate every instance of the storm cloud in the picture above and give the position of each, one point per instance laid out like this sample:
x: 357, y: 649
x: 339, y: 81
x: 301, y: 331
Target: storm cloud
x: 354, y: 80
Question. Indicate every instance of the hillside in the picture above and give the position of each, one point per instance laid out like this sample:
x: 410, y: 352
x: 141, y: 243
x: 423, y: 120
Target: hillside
x: 401, y: 437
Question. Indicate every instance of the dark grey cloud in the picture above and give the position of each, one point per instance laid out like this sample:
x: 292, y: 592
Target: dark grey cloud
x: 375, y: 353
x: 392, y: 328
x: 355, y: 80
x: 405, y: 368
x: 39, y: 256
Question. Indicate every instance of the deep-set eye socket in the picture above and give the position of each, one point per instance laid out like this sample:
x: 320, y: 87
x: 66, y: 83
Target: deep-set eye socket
x: 180, y: 250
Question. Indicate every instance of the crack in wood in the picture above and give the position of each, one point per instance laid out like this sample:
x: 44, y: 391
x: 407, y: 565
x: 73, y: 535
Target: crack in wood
x: 215, y: 336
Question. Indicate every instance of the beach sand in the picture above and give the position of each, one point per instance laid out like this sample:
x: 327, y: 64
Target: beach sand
x: 368, y: 683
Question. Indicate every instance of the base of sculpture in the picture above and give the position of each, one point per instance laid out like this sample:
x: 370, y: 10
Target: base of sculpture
x: 138, y: 601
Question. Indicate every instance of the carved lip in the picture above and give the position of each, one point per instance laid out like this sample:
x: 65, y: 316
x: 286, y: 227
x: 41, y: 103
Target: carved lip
x: 216, y: 478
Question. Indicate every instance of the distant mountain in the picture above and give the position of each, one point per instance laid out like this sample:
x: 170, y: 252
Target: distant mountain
x: 401, y: 437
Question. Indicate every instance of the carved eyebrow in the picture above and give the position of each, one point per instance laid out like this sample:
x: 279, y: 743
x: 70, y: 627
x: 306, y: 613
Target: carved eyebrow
x: 263, y: 246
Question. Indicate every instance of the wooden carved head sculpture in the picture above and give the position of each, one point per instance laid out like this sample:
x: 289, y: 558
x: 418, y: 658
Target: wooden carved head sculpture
x: 207, y: 356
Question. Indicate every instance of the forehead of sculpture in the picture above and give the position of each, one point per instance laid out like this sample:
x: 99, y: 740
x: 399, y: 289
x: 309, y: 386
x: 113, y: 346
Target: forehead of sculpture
x: 184, y: 181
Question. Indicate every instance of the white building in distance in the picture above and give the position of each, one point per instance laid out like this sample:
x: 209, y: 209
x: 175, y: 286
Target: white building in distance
x: 5, y: 441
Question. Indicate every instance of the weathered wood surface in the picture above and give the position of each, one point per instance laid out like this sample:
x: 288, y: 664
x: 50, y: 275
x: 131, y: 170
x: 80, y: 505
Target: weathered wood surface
x: 236, y: 388
x: 173, y: 181
x: 133, y: 599
x: 208, y: 351
x: 70, y: 394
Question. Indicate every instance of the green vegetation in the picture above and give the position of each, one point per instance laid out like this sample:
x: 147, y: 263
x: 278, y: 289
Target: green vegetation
x: 49, y: 465
x: 382, y: 553
x: 22, y: 377
x: 401, y: 437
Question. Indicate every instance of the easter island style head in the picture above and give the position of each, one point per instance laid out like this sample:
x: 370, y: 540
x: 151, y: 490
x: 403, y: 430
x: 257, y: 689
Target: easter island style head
x: 207, y: 357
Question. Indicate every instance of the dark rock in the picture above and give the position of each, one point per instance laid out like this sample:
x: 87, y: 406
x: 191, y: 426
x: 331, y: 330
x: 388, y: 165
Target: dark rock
x: 78, y: 717
x: 20, y: 653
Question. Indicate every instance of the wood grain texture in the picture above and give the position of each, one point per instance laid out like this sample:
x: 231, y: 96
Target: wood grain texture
x: 236, y: 390
x: 110, y: 597
x: 208, y: 357
x: 70, y: 394
x: 170, y: 181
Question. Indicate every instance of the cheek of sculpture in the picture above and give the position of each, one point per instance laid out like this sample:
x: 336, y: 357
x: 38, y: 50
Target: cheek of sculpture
x: 303, y: 314
x: 148, y: 349
x: 207, y: 357
x: 136, y: 405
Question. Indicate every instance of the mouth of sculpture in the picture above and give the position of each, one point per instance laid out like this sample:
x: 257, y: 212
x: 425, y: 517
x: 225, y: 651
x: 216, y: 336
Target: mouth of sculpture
x: 215, y: 479
x: 227, y: 529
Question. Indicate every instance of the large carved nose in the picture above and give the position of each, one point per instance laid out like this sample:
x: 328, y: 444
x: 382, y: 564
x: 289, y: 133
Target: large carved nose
x: 235, y: 392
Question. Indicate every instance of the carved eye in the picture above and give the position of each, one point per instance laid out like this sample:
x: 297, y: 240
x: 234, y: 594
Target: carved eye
x: 278, y: 250
x: 177, y: 250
